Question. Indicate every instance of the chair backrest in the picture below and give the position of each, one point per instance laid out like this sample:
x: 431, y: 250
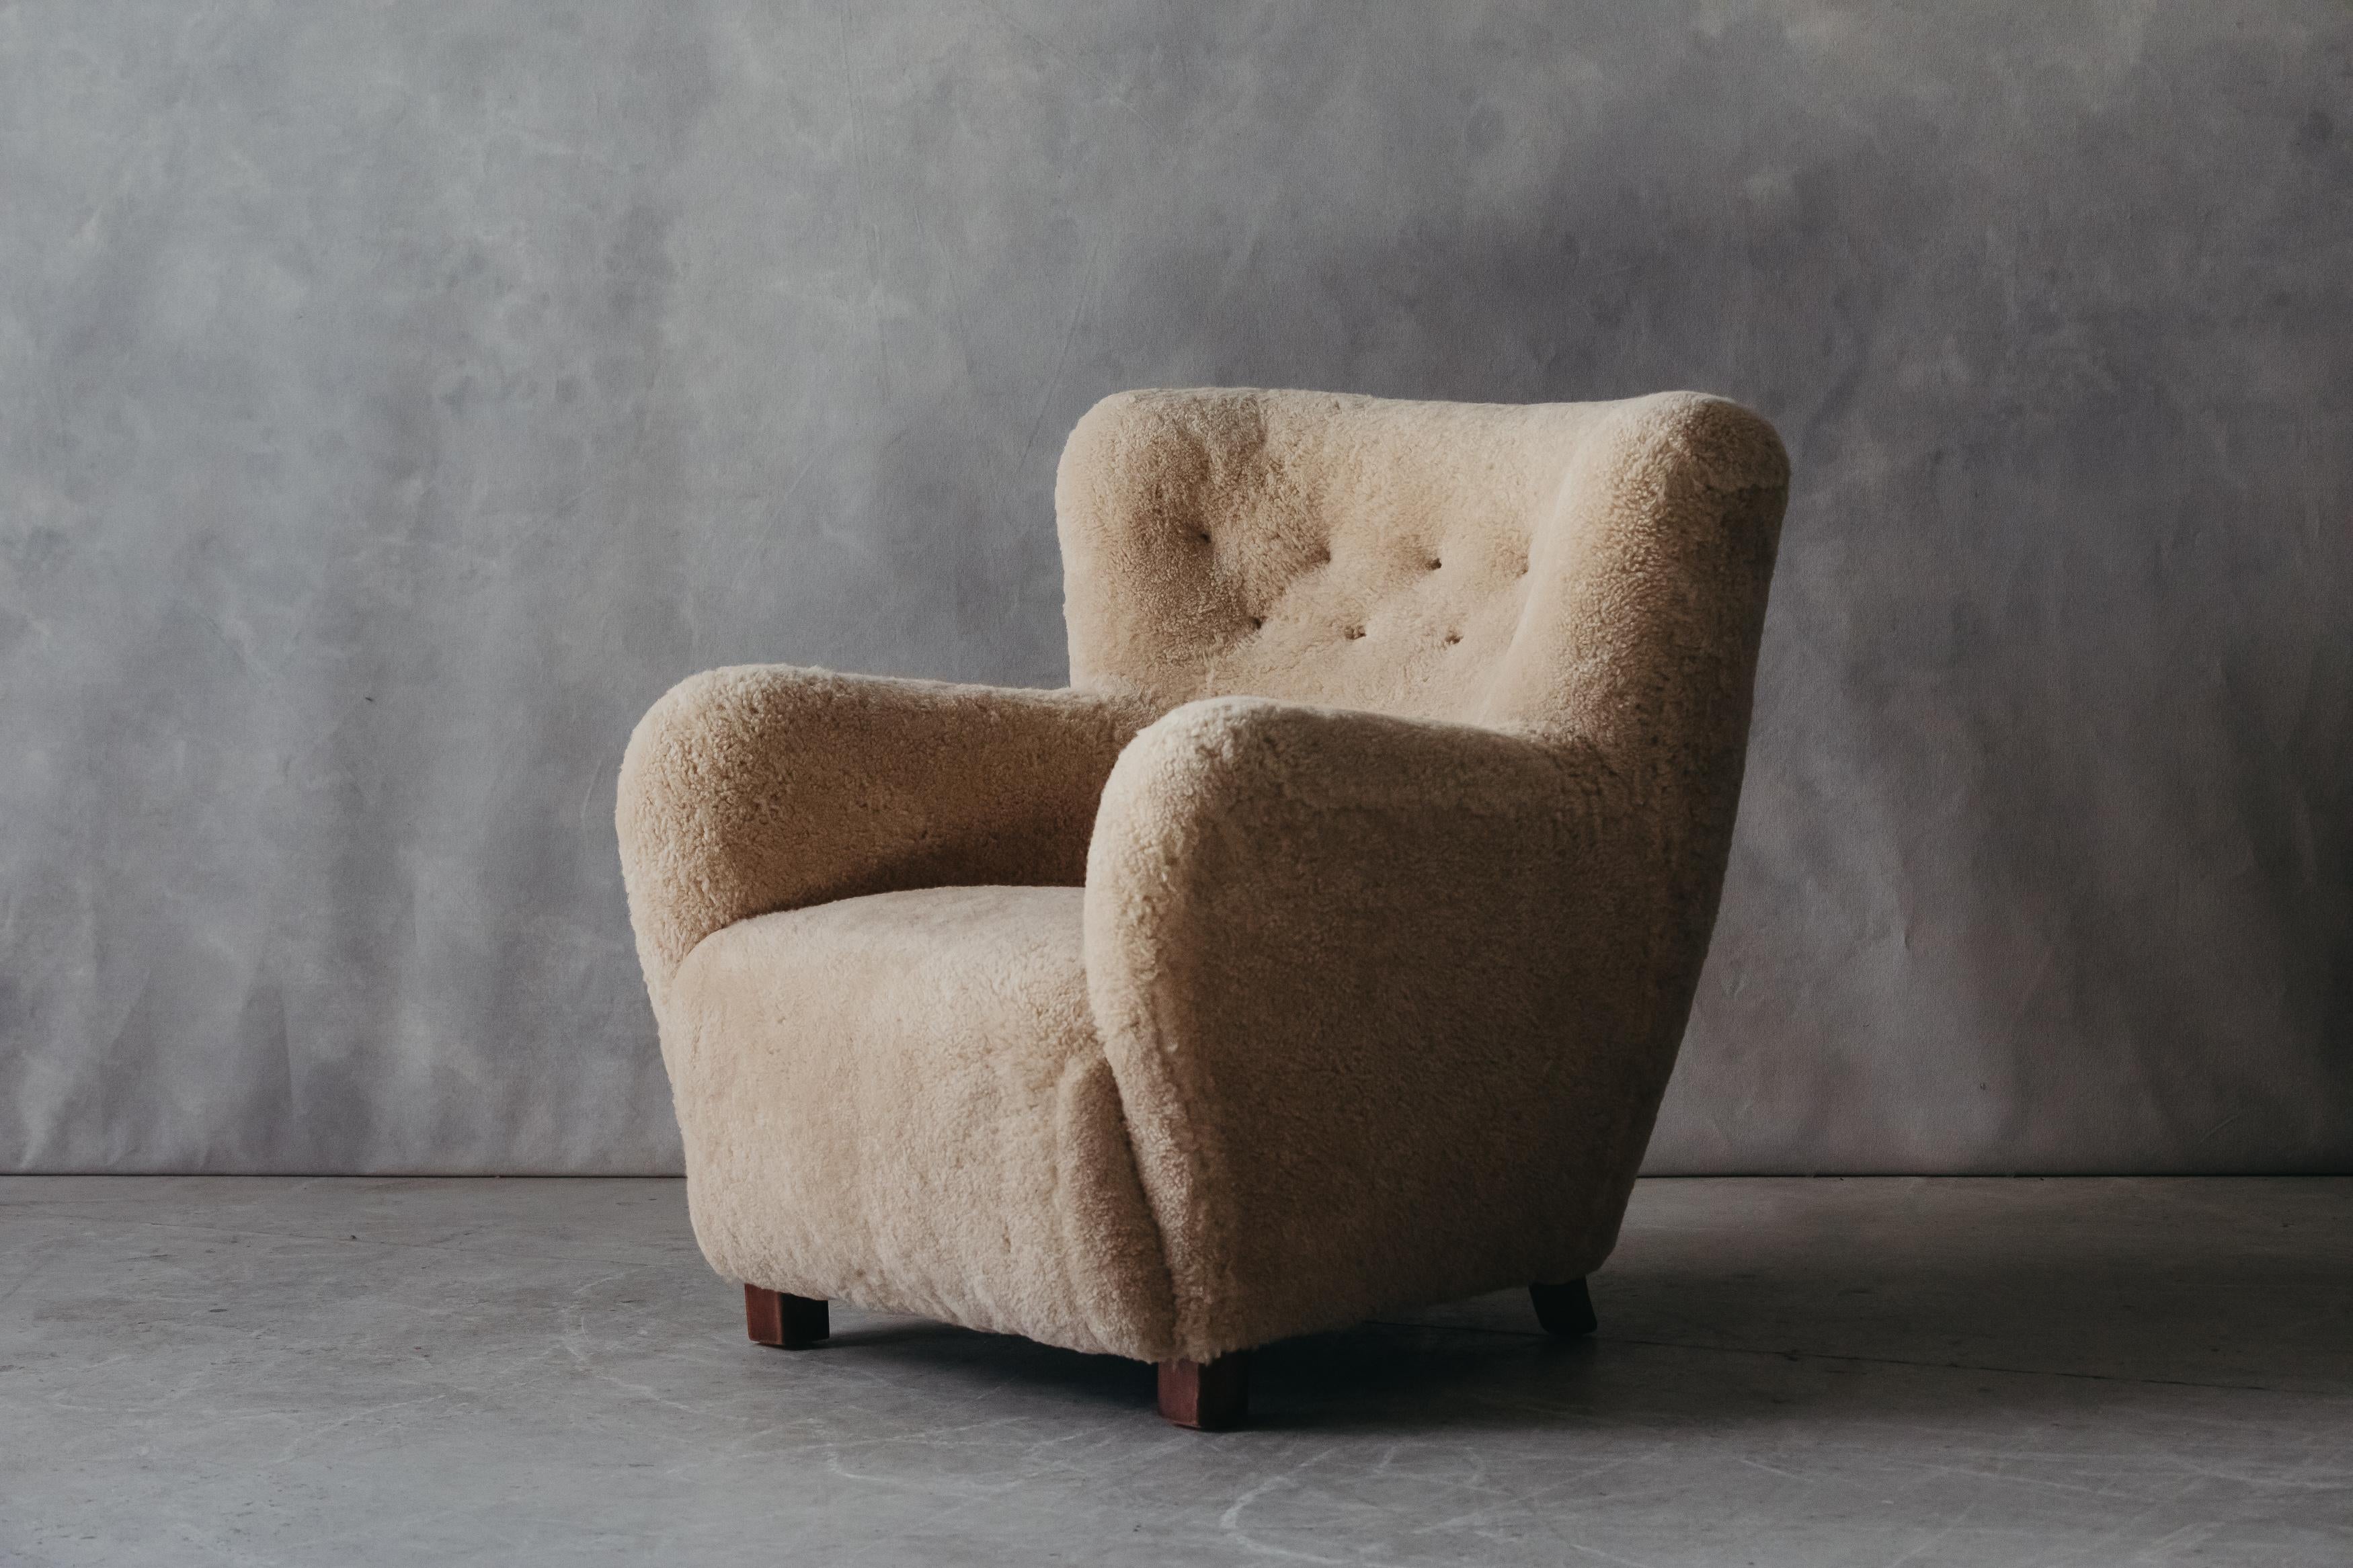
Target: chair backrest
x: 1593, y: 568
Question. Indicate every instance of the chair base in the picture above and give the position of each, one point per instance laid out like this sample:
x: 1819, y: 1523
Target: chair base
x: 1564, y: 1311
x: 1207, y: 1396
x: 785, y: 1323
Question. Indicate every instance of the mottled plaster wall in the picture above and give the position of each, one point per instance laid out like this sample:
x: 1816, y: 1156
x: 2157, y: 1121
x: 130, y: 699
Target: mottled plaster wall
x: 395, y: 398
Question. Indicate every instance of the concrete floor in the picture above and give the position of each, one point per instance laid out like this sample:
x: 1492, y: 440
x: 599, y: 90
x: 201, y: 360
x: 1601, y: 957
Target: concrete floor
x: 1826, y: 1372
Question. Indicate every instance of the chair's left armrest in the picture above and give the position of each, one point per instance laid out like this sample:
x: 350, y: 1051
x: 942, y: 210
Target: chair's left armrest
x: 1391, y: 1005
x: 769, y: 787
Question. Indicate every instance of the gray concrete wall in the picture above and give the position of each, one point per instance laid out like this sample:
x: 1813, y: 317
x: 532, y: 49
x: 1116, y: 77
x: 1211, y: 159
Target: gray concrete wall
x: 396, y: 399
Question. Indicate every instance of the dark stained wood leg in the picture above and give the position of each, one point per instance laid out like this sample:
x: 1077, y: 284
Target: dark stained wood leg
x: 787, y: 1322
x: 1212, y: 1396
x: 1564, y: 1311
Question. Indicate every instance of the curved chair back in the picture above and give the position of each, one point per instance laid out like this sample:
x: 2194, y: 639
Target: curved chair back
x: 1593, y: 570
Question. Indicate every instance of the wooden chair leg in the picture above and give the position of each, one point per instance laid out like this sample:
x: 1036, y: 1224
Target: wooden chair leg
x: 1564, y: 1311
x: 787, y: 1322
x: 1212, y: 1397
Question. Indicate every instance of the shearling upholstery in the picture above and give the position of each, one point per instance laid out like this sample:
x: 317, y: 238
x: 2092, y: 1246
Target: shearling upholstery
x: 753, y: 789
x: 901, y: 1098
x: 1325, y: 950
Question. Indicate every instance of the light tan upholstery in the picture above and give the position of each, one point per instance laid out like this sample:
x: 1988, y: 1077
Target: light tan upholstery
x: 907, y: 1103
x: 1325, y: 950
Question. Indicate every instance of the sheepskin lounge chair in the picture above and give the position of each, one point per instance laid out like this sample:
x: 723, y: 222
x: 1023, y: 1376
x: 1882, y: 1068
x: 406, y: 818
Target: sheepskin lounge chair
x: 1323, y: 950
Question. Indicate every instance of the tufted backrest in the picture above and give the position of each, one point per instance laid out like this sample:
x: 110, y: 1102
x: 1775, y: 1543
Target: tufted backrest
x: 1598, y: 568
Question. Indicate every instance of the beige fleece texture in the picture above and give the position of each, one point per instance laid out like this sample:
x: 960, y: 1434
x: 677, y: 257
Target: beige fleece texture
x: 1325, y: 950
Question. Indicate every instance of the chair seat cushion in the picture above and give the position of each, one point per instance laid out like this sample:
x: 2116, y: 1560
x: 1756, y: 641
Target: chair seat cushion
x: 901, y: 1102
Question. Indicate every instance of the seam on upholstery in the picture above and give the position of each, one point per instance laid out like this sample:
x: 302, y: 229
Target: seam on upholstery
x: 1212, y: 755
x: 1151, y: 1218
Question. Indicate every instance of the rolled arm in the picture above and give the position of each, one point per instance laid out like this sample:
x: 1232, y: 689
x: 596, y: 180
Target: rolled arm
x: 1390, y: 1004
x: 768, y: 787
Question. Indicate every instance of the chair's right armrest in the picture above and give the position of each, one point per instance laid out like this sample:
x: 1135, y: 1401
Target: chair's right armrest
x: 1390, y: 1003
x: 767, y: 787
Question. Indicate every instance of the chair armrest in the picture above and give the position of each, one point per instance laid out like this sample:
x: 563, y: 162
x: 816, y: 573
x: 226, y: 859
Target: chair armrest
x: 768, y: 787
x: 1390, y: 1003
